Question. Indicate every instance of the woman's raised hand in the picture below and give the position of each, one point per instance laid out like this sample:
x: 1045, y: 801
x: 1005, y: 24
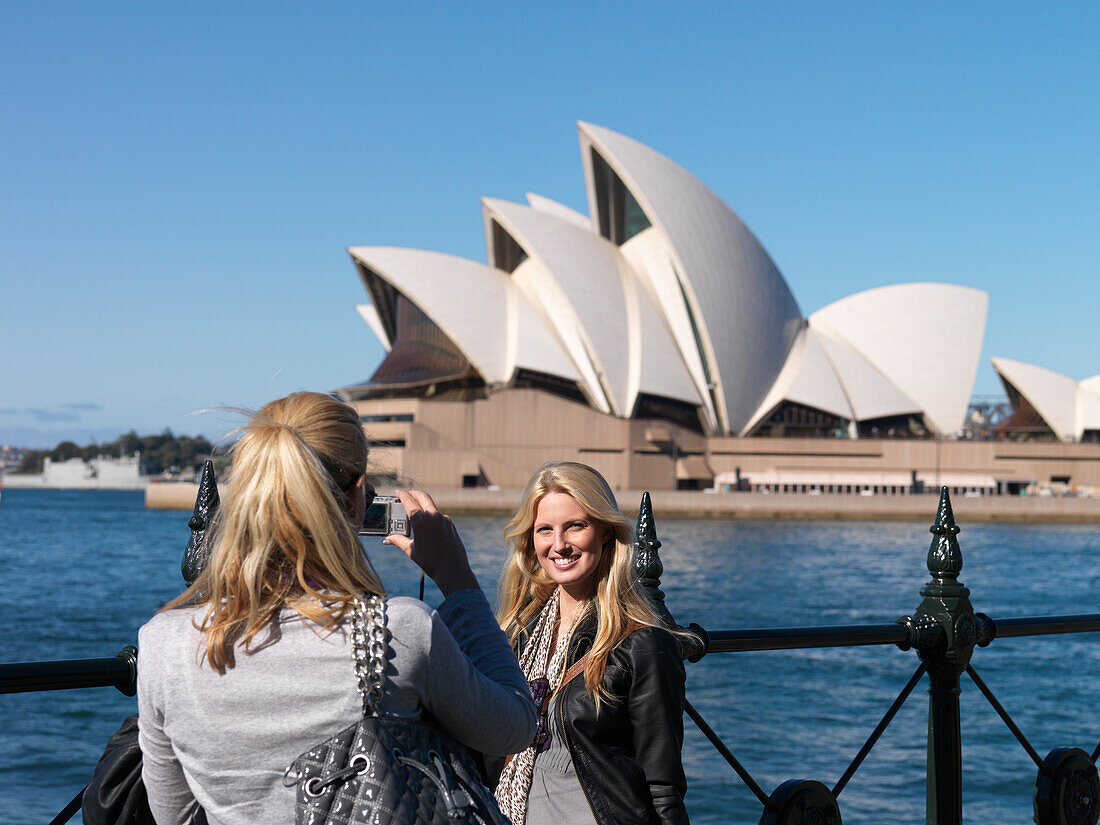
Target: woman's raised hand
x: 435, y: 546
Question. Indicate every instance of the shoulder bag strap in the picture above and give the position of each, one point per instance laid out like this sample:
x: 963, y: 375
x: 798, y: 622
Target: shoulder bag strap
x: 369, y: 648
x: 573, y: 672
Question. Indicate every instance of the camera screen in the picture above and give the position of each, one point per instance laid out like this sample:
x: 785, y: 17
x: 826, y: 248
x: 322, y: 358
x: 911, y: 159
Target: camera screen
x: 376, y: 519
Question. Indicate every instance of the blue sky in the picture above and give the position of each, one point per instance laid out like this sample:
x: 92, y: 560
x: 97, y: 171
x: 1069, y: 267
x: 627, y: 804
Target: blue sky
x: 179, y: 182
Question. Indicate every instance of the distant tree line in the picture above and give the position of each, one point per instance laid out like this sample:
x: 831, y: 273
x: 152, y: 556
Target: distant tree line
x: 158, y: 452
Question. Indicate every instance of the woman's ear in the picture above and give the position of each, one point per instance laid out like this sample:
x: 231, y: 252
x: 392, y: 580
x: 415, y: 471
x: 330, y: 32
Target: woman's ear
x: 355, y: 504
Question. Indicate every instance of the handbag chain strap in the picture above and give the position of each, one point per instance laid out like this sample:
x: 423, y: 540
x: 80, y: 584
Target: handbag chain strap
x: 368, y: 641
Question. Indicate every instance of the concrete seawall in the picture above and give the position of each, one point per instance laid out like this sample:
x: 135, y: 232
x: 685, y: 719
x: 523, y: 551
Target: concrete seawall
x: 691, y: 504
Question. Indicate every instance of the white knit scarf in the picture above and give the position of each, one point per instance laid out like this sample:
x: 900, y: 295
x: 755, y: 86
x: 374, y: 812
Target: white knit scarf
x: 515, y: 780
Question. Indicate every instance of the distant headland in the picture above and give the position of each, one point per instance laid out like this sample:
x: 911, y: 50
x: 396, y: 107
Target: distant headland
x: 128, y: 463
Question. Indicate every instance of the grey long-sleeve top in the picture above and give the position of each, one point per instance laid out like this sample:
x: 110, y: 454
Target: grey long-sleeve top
x: 223, y: 741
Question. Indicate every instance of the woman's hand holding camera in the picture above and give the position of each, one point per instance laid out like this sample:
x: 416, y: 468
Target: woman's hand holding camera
x: 435, y: 546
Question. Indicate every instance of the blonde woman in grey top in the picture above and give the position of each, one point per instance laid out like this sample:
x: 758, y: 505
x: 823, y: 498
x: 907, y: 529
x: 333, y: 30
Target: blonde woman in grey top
x: 253, y: 665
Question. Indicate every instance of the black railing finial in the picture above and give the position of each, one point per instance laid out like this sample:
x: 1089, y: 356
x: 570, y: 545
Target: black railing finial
x: 944, y: 556
x: 206, y: 506
x: 648, y: 567
x: 950, y: 631
x: 647, y: 561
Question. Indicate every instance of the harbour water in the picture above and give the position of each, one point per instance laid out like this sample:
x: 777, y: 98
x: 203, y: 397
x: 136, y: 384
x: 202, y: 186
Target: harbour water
x: 80, y: 571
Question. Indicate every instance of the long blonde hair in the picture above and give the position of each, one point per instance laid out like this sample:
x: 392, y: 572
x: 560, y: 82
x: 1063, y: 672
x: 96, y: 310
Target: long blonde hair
x: 283, y: 534
x: 620, y: 605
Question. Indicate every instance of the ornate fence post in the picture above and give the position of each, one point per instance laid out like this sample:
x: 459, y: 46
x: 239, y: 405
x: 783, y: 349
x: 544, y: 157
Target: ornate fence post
x: 944, y: 631
x: 206, y: 507
x: 647, y: 564
x: 795, y: 802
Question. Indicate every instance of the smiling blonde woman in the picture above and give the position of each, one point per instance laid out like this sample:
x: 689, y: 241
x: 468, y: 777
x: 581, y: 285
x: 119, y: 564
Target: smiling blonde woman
x: 607, y: 677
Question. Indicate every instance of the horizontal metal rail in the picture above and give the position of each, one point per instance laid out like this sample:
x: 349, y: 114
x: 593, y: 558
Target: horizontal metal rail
x: 118, y: 671
x: 799, y: 638
x: 1047, y: 625
x: 804, y: 638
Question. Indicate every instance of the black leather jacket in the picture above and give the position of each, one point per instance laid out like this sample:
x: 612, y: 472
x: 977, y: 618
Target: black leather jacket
x: 627, y: 756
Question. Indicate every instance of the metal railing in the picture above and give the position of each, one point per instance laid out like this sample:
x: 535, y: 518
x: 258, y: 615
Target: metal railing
x: 944, y: 631
x: 118, y: 671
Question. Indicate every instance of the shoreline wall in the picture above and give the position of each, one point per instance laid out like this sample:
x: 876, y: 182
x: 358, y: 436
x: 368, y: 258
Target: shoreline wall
x: 13, y: 481
x: 693, y: 504
x: 100, y: 473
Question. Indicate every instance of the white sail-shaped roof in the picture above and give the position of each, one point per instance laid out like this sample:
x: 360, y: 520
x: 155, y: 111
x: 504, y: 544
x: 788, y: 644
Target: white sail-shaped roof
x: 870, y: 393
x: 369, y: 313
x: 560, y: 210
x: 1088, y: 395
x: 656, y: 367
x: 589, y: 296
x: 476, y: 306
x: 926, y: 337
x: 647, y: 254
x: 1092, y: 384
x: 1053, y: 395
x: 538, y: 285
x: 744, y: 314
x: 807, y: 379
x: 586, y: 277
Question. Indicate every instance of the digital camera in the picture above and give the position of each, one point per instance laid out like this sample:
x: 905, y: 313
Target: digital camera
x: 385, y: 516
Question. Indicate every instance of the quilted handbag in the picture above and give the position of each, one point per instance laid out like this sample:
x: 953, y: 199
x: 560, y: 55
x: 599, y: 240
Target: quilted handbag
x: 387, y: 770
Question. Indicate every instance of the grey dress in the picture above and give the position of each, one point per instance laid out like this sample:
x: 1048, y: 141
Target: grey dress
x: 556, y: 796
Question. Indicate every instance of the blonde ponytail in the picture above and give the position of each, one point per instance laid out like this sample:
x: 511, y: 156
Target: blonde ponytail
x: 283, y: 536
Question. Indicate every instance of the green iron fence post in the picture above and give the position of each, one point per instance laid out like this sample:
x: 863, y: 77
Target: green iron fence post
x: 648, y: 567
x: 207, y: 501
x: 647, y: 561
x: 946, y: 605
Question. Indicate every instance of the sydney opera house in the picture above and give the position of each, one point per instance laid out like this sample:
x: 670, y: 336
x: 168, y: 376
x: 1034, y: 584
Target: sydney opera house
x: 1050, y: 405
x: 655, y: 339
